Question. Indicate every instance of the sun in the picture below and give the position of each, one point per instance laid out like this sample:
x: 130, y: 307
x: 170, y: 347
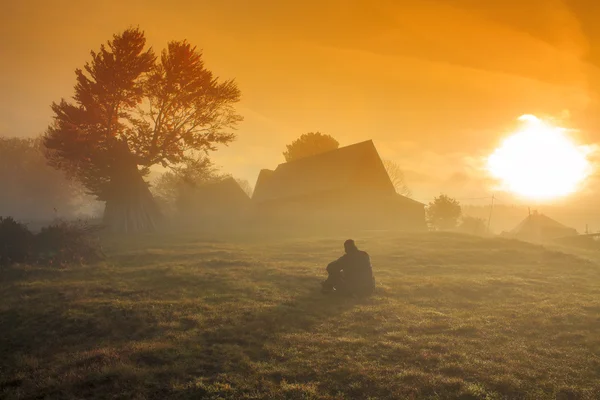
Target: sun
x: 539, y: 161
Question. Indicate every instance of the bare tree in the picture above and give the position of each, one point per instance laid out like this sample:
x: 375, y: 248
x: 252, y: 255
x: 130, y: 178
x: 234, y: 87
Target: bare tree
x: 397, y: 177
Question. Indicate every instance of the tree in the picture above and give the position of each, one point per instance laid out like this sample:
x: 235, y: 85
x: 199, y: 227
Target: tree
x: 30, y: 188
x: 472, y: 225
x: 309, y: 144
x: 132, y: 110
x: 173, y: 187
x: 443, y: 212
x: 397, y: 177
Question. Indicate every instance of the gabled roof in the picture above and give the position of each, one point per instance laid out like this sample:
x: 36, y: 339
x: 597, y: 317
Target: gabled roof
x: 542, y: 223
x: 357, y: 165
x: 222, y: 192
x: 262, y: 184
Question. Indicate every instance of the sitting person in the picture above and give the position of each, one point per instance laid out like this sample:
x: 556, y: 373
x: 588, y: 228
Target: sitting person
x: 351, y: 274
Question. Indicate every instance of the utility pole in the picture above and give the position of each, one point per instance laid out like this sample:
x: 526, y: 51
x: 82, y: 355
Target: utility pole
x: 490, y: 217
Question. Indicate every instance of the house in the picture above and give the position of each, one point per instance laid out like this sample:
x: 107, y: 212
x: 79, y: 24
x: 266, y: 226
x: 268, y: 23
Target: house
x: 346, y: 186
x: 217, y: 203
x: 538, y: 227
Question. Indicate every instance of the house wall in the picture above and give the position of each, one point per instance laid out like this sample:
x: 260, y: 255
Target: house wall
x: 543, y: 234
x: 219, y: 205
x: 344, y: 208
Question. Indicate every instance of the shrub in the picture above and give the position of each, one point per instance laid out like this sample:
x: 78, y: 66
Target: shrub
x: 55, y: 245
x: 15, y: 242
x: 473, y: 226
x: 443, y: 213
x: 67, y: 243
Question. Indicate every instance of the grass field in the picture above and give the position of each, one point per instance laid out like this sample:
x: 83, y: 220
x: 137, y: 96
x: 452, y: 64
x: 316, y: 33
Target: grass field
x: 185, y: 317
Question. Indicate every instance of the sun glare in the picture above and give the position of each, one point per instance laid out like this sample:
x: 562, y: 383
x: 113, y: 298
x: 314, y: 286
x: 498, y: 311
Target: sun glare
x: 539, y: 161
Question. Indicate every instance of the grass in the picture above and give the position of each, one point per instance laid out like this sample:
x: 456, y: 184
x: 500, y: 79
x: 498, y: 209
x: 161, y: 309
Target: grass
x: 184, y: 317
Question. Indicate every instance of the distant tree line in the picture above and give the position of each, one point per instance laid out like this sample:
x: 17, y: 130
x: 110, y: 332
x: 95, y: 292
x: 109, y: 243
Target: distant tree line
x: 31, y: 189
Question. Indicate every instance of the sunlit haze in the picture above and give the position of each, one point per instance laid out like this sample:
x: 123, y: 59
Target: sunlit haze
x: 431, y: 83
x: 539, y: 161
x: 310, y: 199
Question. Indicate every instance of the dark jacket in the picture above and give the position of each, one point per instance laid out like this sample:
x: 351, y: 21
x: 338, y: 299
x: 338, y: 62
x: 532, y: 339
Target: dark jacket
x: 356, y: 269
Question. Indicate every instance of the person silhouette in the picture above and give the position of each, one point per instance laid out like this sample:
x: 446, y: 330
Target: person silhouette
x: 351, y: 274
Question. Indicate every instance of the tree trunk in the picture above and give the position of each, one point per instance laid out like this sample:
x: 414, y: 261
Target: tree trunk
x: 130, y: 206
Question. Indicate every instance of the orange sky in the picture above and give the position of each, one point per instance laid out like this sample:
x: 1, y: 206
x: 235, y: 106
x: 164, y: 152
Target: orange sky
x: 434, y: 83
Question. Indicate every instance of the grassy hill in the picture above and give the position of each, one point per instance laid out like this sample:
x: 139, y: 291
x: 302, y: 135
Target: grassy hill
x: 186, y: 317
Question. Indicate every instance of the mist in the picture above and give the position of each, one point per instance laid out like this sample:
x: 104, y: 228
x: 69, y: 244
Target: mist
x: 313, y: 200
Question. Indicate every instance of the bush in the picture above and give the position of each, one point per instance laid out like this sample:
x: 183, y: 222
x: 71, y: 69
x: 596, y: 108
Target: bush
x: 59, y: 244
x: 473, y: 226
x: 15, y: 242
x: 443, y: 213
x: 66, y: 243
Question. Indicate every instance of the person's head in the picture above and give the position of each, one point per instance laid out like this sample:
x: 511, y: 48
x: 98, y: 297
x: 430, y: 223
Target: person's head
x: 350, y: 246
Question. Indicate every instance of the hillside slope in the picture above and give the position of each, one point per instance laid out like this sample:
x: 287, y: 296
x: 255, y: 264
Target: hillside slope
x: 185, y: 317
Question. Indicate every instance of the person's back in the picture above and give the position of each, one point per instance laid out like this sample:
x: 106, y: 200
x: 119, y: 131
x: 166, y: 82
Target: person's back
x: 357, y: 269
x: 352, y: 273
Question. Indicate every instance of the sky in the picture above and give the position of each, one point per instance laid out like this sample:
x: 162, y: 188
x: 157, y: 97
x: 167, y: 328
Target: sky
x: 436, y: 84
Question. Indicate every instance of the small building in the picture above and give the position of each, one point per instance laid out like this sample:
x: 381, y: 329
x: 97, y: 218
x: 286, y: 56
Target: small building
x: 216, y: 203
x: 538, y: 227
x: 348, y: 186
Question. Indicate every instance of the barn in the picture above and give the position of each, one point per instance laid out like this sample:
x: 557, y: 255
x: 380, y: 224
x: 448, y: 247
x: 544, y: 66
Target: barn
x: 538, y: 227
x: 216, y: 204
x: 348, y: 186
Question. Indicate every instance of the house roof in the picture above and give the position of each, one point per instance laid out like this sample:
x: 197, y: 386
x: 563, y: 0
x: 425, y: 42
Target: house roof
x: 224, y: 190
x: 543, y: 223
x: 262, y: 184
x: 356, y: 165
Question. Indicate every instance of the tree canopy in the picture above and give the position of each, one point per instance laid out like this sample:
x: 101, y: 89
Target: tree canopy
x: 310, y: 144
x: 155, y: 108
x: 443, y: 212
x: 133, y: 110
